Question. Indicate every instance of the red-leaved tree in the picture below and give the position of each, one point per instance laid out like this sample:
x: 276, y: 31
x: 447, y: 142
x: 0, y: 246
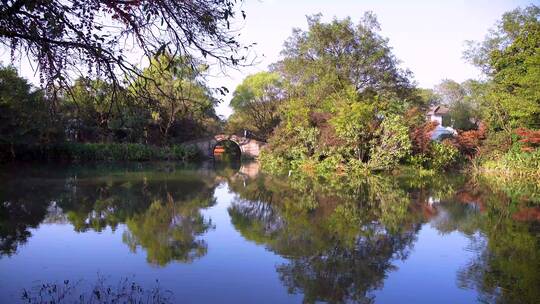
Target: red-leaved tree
x: 468, y: 142
x: 529, y: 138
x: 421, y: 137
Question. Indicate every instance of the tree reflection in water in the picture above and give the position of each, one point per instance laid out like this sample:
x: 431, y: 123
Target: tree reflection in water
x: 339, y: 250
x: 340, y: 238
x: 170, y: 231
x: 22, y: 208
x: 161, y: 208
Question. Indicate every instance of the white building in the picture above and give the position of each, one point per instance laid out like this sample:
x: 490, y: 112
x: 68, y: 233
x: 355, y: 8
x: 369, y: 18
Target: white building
x: 440, y: 114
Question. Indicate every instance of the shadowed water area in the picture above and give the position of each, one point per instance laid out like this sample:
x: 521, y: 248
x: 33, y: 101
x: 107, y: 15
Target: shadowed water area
x: 214, y: 233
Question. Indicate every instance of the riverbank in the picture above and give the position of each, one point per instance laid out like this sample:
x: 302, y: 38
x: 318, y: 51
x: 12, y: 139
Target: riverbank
x: 513, y: 164
x: 100, y: 152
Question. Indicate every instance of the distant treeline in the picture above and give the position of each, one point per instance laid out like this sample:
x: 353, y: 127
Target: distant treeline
x: 95, y: 120
x: 105, y: 152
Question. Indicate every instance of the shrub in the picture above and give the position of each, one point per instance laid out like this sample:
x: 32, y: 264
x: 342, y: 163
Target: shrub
x: 418, y: 160
x: 392, y: 146
x: 516, y: 162
x: 421, y: 137
x: 357, y: 169
x: 273, y: 163
x: 329, y: 166
x: 529, y: 138
x: 442, y: 155
x: 468, y: 142
x: 108, y: 152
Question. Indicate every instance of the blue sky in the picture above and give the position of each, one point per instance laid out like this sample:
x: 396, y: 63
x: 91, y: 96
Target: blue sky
x: 427, y: 36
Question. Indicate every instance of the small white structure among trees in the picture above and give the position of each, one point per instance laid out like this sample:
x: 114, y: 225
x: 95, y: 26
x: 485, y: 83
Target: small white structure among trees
x: 440, y: 114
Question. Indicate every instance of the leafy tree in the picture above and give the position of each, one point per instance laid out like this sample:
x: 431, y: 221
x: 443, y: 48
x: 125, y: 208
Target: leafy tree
x: 341, y: 79
x: 342, y: 53
x: 180, y: 103
x: 449, y: 92
x: 393, y: 144
x: 255, y: 103
x: 66, y: 37
x: 24, y: 116
x: 509, y: 56
x: 428, y: 97
x: 442, y: 155
x: 88, y: 111
x: 516, y: 74
x: 352, y: 123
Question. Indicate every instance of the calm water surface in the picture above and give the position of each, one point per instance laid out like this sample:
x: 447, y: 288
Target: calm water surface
x: 231, y: 235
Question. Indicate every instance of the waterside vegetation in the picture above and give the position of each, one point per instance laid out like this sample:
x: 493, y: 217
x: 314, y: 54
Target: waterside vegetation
x: 337, y: 102
x: 346, y: 107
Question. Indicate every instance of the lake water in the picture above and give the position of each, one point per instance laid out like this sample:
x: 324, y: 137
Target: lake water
x: 220, y: 234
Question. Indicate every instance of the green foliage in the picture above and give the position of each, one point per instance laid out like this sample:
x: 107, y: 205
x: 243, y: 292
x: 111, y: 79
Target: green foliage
x: 351, y: 124
x: 272, y: 163
x: 330, y: 56
x: 178, y: 100
x: 173, y: 108
x: 515, y: 162
x: 110, y: 152
x: 509, y: 56
x: 442, y: 155
x: 255, y: 102
x: 516, y: 74
x: 329, y: 166
x: 464, y: 101
x: 335, y: 99
x: 392, y: 146
x: 24, y: 116
x: 262, y: 86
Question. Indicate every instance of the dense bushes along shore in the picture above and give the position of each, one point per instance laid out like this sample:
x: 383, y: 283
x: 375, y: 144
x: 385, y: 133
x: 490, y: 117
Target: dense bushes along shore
x: 101, y: 152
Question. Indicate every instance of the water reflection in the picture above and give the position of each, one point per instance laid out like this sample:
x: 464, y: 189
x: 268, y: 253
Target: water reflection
x: 340, y: 244
x: 161, y: 207
x: 340, y: 239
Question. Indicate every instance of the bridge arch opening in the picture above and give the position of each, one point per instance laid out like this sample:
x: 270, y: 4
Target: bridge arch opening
x: 227, y: 150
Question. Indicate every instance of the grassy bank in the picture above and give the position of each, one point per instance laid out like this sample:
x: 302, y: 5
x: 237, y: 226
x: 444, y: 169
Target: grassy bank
x: 512, y: 164
x: 100, y: 152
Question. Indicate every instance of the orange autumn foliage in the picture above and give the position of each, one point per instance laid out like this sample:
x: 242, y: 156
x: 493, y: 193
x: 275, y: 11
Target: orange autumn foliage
x: 468, y: 142
x: 421, y: 137
x: 530, y: 139
x: 527, y: 214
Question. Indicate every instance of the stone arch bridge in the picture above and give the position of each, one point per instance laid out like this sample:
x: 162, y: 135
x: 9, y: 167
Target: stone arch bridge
x: 249, y: 147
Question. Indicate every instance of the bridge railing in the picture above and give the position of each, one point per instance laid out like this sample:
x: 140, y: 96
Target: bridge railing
x: 250, y: 135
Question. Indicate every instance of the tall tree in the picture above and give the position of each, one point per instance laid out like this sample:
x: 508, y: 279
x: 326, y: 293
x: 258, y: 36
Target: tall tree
x: 344, y: 53
x: 24, y: 119
x: 342, y: 80
x: 463, y: 101
x: 255, y: 103
x: 510, y: 57
x: 177, y: 97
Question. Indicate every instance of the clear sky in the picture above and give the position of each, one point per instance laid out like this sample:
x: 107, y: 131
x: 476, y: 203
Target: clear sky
x: 427, y: 35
